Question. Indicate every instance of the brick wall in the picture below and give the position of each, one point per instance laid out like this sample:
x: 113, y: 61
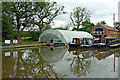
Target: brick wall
x: 105, y: 30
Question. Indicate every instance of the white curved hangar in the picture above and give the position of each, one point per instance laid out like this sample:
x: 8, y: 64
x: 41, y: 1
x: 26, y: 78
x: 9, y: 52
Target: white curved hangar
x: 65, y: 36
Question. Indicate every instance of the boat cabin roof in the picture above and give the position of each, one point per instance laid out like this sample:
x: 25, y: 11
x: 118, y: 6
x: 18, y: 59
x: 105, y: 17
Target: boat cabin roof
x: 111, y: 38
x: 82, y: 38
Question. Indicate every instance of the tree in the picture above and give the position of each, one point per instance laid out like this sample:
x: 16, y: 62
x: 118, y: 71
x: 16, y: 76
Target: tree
x: 78, y: 16
x: 117, y: 25
x: 26, y: 15
x: 46, y: 14
x: 102, y: 22
x: 63, y: 28
x: 7, y: 21
x: 68, y: 26
x: 20, y: 12
x: 87, y: 26
x: 7, y: 29
x: 0, y: 22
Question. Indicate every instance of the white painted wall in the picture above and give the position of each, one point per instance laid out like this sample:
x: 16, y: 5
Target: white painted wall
x: 119, y: 11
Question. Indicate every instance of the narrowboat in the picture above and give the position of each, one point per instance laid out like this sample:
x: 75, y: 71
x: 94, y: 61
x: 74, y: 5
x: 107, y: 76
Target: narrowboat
x: 112, y: 42
x: 75, y: 43
x: 109, y: 42
x: 56, y: 43
x: 97, y: 43
x: 86, y: 43
x: 81, y: 43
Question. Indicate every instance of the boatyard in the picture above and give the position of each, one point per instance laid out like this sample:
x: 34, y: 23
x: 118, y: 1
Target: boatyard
x: 59, y: 39
x: 82, y: 54
x: 81, y: 57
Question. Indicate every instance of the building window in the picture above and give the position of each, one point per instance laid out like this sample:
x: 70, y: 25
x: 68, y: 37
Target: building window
x: 99, y: 31
x: 97, y: 36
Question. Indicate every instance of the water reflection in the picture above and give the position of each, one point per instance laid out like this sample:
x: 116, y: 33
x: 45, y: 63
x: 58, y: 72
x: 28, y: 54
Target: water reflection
x: 41, y: 62
x: 81, y: 63
x: 52, y: 56
x: 80, y: 66
x: 29, y: 63
x: 98, y: 53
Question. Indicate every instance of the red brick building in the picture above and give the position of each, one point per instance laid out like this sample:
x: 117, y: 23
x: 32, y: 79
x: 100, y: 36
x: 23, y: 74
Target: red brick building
x: 101, y: 31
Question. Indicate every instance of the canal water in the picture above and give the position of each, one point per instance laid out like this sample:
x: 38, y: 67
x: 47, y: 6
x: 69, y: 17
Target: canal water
x: 60, y: 62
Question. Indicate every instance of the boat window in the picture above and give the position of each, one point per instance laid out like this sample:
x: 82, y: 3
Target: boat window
x: 74, y: 40
x: 90, y: 41
x: 51, y: 41
x: 105, y: 36
x: 97, y: 40
x: 85, y: 42
x: 77, y: 40
x: 59, y: 41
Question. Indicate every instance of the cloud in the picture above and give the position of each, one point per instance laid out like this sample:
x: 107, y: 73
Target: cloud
x: 101, y: 9
x: 64, y: 17
x: 58, y: 23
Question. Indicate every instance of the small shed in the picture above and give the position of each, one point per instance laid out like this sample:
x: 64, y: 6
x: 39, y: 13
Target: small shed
x: 65, y: 36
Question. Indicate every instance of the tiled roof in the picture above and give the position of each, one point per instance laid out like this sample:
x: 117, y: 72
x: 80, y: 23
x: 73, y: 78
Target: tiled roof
x: 109, y: 27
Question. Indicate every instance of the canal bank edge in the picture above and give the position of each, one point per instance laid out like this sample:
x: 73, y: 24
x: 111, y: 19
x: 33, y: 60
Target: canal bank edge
x: 23, y: 46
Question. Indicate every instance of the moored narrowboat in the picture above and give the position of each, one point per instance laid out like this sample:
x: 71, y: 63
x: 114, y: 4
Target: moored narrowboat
x: 98, y: 43
x: 81, y: 43
x: 109, y: 42
x: 86, y: 43
x: 112, y: 42
x: 75, y: 42
x: 56, y: 43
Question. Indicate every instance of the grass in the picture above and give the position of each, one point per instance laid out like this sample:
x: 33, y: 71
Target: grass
x: 3, y: 44
x: 0, y: 43
x: 23, y: 41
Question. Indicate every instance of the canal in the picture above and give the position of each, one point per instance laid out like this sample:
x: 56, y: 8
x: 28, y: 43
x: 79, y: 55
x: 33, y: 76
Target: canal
x: 60, y: 62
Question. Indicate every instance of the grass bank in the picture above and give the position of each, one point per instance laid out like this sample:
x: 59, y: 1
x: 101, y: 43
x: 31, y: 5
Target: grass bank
x: 20, y: 43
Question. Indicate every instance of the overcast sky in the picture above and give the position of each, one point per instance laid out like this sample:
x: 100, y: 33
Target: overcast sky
x: 102, y: 10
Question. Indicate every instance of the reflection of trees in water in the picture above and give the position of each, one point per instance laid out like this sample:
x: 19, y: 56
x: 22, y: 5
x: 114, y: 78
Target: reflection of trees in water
x: 80, y: 66
x: 117, y: 54
x: 115, y: 51
x: 29, y: 64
